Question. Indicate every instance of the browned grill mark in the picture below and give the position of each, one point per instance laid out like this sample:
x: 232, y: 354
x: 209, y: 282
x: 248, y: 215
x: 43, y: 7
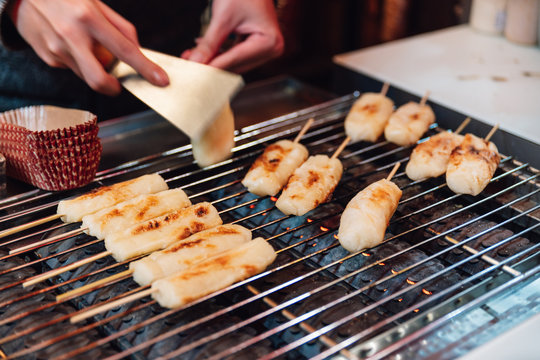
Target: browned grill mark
x: 150, y: 202
x: 201, y: 211
x: 184, y: 245
x: 271, y: 158
x: 415, y: 116
x: 313, y: 178
x: 369, y: 108
x: 116, y: 189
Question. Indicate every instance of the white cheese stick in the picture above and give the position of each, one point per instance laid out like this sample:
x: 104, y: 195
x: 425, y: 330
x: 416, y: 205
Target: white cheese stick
x: 213, y: 274
x: 270, y: 172
x: 73, y: 210
x: 366, y: 217
x: 310, y: 185
x: 141, y: 208
x: 160, y: 232
x: 472, y: 165
x: 430, y: 158
x: 368, y: 117
x: 408, y: 123
x: 216, y: 143
x: 185, y: 253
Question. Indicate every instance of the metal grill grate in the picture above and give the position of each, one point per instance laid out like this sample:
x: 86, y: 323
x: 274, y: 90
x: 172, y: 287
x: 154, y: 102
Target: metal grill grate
x: 443, y: 254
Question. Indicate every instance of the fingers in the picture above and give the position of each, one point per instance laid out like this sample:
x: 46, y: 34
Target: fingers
x: 209, y: 45
x: 255, y: 50
x: 125, y: 27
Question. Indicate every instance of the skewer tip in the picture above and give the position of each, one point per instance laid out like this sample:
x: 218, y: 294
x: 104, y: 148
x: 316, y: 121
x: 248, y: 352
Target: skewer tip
x: 393, y: 171
x: 341, y: 147
x: 304, y: 129
x: 491, y: 132
x: 385, y: 88
x: 424, y: 98
x: 462, y: 125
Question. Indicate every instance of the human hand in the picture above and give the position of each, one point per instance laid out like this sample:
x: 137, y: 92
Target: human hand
x: 75, y: 34
x: 253, y: 20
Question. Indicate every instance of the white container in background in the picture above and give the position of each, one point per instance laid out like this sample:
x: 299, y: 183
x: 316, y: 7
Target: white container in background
x: 522, y: 21
x: 488, y: 16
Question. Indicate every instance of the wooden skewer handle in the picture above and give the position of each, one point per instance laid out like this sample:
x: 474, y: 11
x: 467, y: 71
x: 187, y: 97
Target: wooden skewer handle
x: 462, y: 125
x: 108, y: 306
x: 304, y: 129
x: 341, y: 147
x: 46, y: 241
x: 385, y: 88
x: 28, y: 225
x: 63, y: 269
x: 393, y: 171
x: 491, y: 132
x: 93, y: 285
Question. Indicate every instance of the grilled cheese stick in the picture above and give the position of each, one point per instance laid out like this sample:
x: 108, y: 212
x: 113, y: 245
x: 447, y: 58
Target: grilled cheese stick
x: 188, y: 252
x: 160, y: 232
x: 216, y: 143
x: 430, y: 158
x: 408, y: 123
x: 270, y: 172
x: 73, y: 210
x: 366, y: 217
x: 130, y: 212
x: 472, y: 165
x: 311, y: 184
x: 213, y: 274
x: 368, y: 117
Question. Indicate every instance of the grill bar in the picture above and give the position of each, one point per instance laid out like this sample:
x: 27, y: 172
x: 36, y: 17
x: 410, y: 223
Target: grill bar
x: 412, y: 267
x: 233, y: 202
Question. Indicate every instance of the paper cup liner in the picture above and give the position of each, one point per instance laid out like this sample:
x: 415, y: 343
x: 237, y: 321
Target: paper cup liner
x: 49, y: 147
x: 46, y: 122
x: 56, y: 174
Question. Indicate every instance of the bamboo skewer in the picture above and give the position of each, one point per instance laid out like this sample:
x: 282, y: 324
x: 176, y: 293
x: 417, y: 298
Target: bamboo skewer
x: 306, y: 327
x: 93, y: 285
x: 491, y: 132
x: 304, y: 129
x: 47, y: 241
x: 28, y: 225
x: 385, y: 88
x: 424, y: 98
x: 111, y: 305
x: 393, y: 171
x: 63, y: 269
x: 341, y: 147
x: 462, y: 125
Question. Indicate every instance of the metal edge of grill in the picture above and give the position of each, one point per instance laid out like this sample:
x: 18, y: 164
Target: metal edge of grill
x: 443, y: 254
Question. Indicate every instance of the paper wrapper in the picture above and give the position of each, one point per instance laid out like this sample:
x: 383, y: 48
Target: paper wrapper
x: 49, y: 147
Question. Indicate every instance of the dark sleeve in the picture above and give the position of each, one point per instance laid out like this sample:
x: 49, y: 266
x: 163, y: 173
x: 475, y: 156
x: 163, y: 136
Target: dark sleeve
x: 9, y: 36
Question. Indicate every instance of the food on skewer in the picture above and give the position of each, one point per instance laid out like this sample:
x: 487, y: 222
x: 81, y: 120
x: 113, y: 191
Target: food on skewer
x: 472, y: 165
x: 205, y: 277
x: 217, y: 141
x: 430, y: 158
x: 213, y: 274
x: 74, y: 209
x: 271, y: 171
x: 185, y: 253
x: 311, y: 184
x: 366, y: 217
x: 409, y: 122
x: 148, y: 236
x: 141, y: 208
x: 160, y: 232
x: 368, y: 116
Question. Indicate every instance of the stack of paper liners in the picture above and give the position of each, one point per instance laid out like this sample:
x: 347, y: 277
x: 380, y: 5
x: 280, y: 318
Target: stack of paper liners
x: 50, y: 147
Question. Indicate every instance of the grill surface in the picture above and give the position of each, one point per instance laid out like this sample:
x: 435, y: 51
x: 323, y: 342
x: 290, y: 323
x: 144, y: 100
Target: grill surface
x: 443, y: 254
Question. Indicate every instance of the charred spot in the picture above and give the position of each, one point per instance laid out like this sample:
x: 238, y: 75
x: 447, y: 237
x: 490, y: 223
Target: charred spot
x: 379, y: 194
x: 197, y: 226
x: 114, y: 213
x: 312, y: 178
x: 370, y: 108
x: 201, y: 211
x: 96, y: 192
x: 184, y: 245
x: 271, y: 157
x: 415, y: 116
x: 224, y: 231
x: 149, y: 203
x: 250, y: 270
x: 150, y: 225
x: 274, y: 160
